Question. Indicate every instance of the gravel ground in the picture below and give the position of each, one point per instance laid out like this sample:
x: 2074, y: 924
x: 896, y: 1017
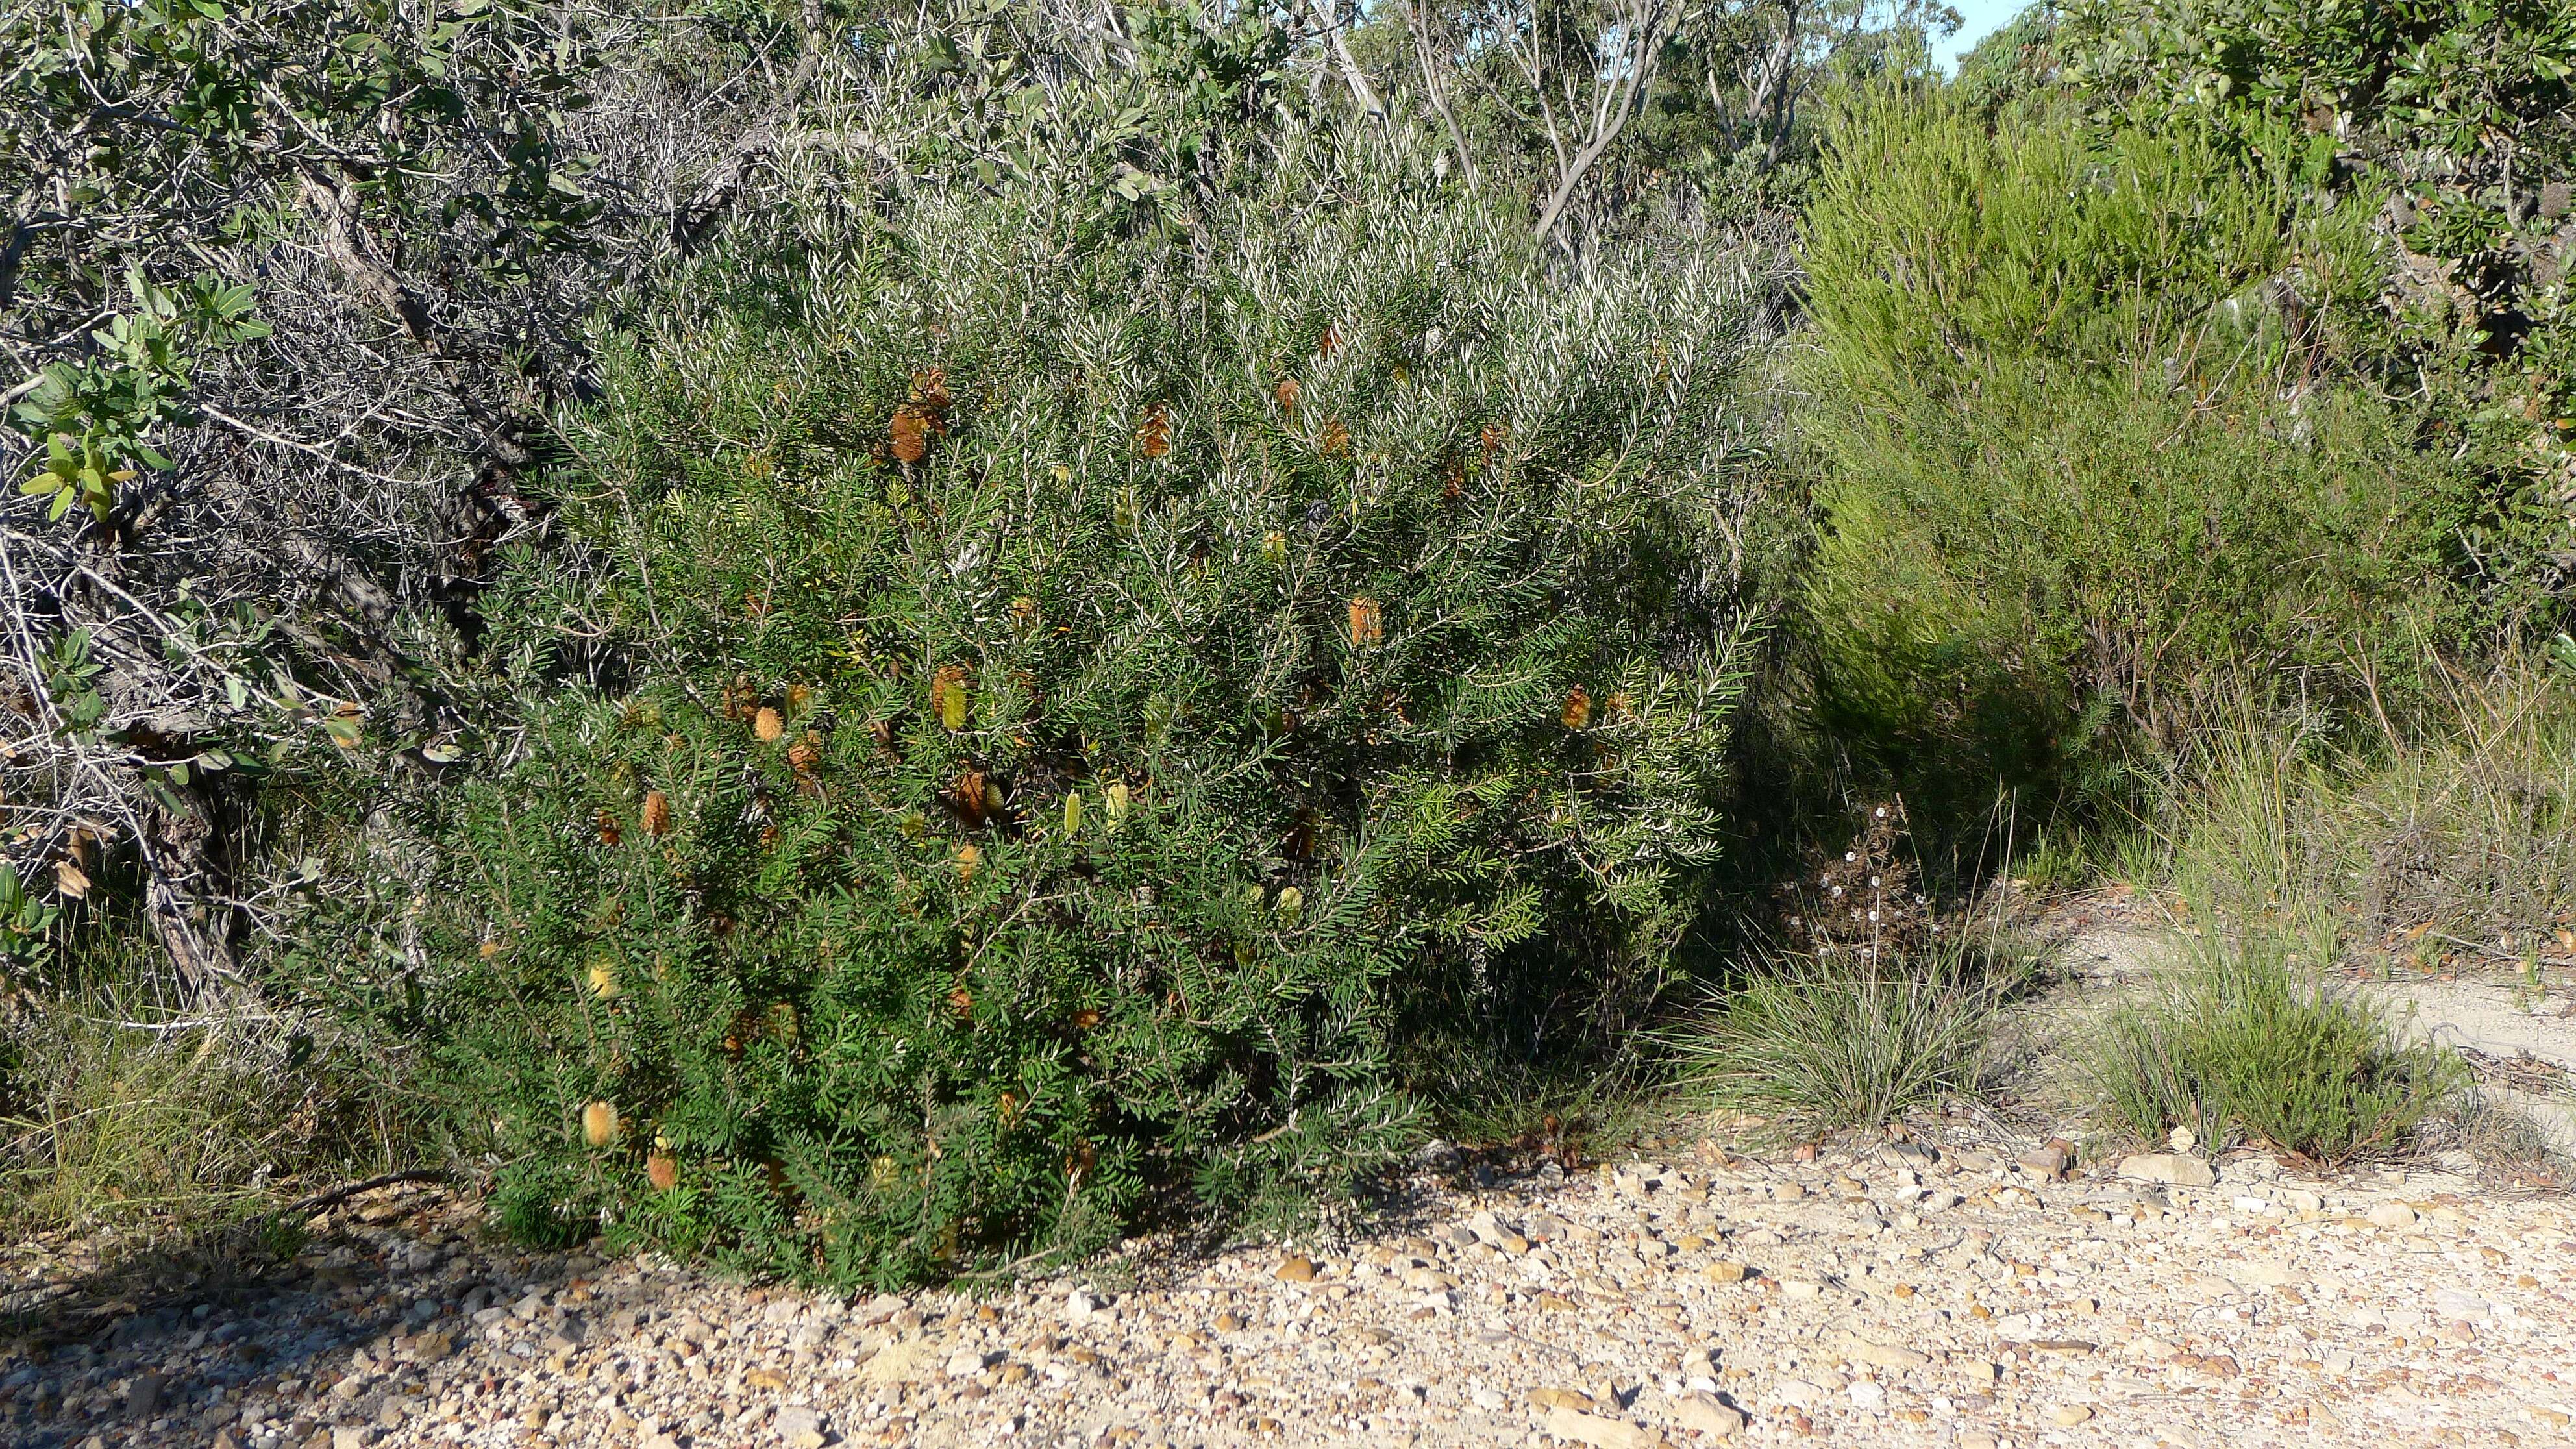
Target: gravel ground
x: 1907, y: 1295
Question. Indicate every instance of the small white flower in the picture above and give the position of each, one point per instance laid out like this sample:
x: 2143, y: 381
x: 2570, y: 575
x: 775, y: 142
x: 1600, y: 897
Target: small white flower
x: 1850, y: 855
x: 1873, y: 882
x: 1873, y: 915
x: 1880, y: 813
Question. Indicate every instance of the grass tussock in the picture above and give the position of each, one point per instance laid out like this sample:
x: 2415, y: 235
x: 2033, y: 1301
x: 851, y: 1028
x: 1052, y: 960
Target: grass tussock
x: 121, y: 1114
x: 2246, y: 1043
x: 2454, y: 832
x: 1819, y: 1040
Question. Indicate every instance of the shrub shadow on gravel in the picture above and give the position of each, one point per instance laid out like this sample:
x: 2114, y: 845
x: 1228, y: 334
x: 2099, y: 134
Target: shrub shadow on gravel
x: 171, y: 1342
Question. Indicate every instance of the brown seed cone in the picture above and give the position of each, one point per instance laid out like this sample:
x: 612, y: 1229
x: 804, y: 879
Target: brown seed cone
x: 908, y: 436
x: 930, y: 390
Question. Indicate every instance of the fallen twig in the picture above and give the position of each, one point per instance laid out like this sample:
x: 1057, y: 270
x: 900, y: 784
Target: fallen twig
x: 323, y: 1201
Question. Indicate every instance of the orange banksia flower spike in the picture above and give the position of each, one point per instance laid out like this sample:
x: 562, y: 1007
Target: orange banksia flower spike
x: 1368, y: 623
x: 930, y: 393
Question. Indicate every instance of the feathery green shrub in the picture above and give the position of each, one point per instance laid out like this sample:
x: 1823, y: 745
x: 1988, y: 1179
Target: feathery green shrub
x: 2075, y: 470
x: 1076, y: 702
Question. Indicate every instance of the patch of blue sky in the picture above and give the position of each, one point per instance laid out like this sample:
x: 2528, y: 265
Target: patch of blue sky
x: 1982, y: 18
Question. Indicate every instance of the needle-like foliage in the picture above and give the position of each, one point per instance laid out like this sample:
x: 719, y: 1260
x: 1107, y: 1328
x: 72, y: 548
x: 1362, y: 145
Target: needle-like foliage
x: 1089, y: 694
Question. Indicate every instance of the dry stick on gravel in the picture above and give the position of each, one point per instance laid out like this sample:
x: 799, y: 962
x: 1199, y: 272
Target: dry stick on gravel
x: 323, y: 1201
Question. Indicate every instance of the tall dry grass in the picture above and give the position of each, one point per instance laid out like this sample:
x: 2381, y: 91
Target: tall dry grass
x: 2450, y: 833
x: 119, y: 1112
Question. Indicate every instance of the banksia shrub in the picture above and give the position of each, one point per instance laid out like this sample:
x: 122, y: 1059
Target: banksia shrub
x: 1174, y: 746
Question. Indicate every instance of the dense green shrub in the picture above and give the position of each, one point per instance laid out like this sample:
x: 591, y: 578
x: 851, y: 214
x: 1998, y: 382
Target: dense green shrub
x: 1074, y: 705
x: 2481, y: 93
x: 1943, y: 250
x: 2048, y: 586
x: 2451, y: 129
x: 2074, y: 468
